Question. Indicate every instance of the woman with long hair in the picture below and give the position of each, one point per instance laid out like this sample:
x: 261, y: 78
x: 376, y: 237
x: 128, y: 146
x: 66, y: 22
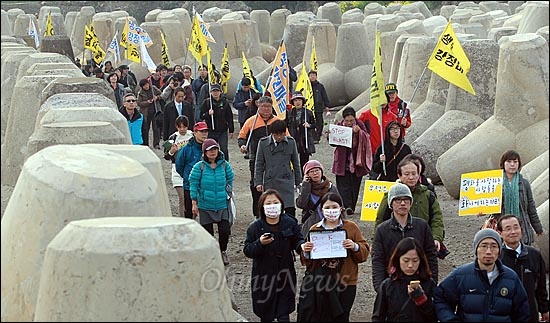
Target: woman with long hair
x: 406, y: 296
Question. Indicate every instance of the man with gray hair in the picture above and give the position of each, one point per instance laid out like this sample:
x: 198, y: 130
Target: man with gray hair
x: 484, y: 290
x: 401, y: 225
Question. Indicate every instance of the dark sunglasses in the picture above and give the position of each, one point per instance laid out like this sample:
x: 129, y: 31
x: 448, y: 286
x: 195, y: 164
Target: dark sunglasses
x: 130, y: 100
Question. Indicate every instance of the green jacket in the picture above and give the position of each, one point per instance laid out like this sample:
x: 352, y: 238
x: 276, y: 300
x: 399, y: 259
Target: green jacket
x: 420, y: 209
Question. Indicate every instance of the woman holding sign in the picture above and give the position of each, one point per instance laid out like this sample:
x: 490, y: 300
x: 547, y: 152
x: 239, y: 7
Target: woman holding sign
x: 351, y: 164
x: 271, y: 241
x: 334, y: 249
x: 517, y: 197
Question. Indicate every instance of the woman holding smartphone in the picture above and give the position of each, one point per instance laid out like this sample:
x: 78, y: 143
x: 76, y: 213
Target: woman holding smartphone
x: 406, y: 296
x: 271, y: 241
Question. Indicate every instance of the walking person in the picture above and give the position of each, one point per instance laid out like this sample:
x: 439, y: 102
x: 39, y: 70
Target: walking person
x: 255, y: 128
x: 175, y: 108
x: 186, y: 158
x: 277, y: 165
x: 321, y: 104
x: 398, y: 107
x: 314, y: 186
x: 133, y: 116
x: 484, y: 290
x: 301, y: 126
x: 148, y: 102
x: 528, y: 264
x: 271, y: 241
x: 400, y: 225
x: 208, y: 180
x: 329, y: 287
x: 351, y: 164
x: 385, y: 161
x: 406, y: 296
x: 243, y: 101
x: 172, y: 145
x: 217, y: 113
x: 517, y: 197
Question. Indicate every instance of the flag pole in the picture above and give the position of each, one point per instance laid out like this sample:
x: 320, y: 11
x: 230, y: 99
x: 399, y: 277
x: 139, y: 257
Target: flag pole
x: 416, y: 87
x: 257, y: 111
x: 382, y: 136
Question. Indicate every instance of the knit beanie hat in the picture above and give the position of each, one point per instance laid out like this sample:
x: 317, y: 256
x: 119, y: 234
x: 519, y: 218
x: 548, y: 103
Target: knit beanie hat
x: 398, y: 190
x: 486, y: 233
x: 312, y: 164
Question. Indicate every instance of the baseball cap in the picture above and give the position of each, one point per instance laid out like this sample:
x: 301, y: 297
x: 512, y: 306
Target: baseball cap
x: 201, y: 125
x: 215, y: 87
x: 391, y: 87
x: 209, y: 144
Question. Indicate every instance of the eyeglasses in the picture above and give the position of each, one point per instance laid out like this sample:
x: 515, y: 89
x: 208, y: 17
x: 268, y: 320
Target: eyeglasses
x: 484, y: 246
x: 314, y: 170
x: 401, y: 199
x: 130, y: 101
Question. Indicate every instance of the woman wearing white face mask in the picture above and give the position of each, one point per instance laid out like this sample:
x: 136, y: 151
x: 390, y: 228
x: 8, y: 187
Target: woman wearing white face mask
x: 271, y: 241
x: 339, y: 276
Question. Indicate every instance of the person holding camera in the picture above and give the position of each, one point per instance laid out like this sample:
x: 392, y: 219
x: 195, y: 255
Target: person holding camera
x: 175, y: 108
x: 271, y: 241
x: 148, y: 97
x: 314, y: 186
x: 406, y: 296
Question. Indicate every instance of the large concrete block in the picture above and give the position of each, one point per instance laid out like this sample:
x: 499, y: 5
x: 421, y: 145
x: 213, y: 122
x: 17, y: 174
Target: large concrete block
x: 447, y: 10
x: 79, y: 85
x: 534, y: 140
x: 12, y: 16
x: 541, y: 242
x: 145, y: 156
x: 496, y: 33
x: 244, y: 36
x: 353, y: 15
x: 431, y: 23
x: 535, y: 167
x: 332, y: 12
x: 22, y: 115
x: 523, y: 61
x: 324, y: 34
x: 441, y: 135
x: 397, y: 53
x: 183, y: 16
x: 175, y: 39
x: 414, y: 26
x: 160, y: 269
x: 5, y: 27
x: 40, y: 58
x: 535, y: 15
x: 415, y: 50
x: 351, y: 48
x: 55, y: 12
x: 70, y: 18
x: 58, y: 185
x: 540, y: 188
x: 333, y: 80
x: 482, y: 147
x: 65, y: 68
x: 83, y: 17
x: 21, y: 26
x: 295, y: 35
x: 355, y: 81
x: 387, y: 41
x: 374, y: 8
x: 278, y: 24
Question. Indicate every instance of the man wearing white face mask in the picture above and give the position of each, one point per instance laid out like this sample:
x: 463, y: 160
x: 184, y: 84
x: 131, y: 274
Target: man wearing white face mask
x: 270, y: 242
x: 333, y: 278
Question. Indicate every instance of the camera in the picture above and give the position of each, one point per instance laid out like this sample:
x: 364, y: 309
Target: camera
x: 175, y: 83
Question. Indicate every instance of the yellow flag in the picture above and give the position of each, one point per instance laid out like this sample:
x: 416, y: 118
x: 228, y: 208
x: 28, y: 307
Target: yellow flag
x: 49, y: 25
x: 132, y: 53
x: 226, y: 75
x: 313, y: 57
x: 278, y: 86
x: 91, y: 41
x: 197, y: 42
x: 211, y: 74
x: 303, y: 85
x: 88, y: 38
x: 124, y: 35
x: 248, y: 73
x: 164, y: 51
x: 449, y: 61
x: 377, y: 94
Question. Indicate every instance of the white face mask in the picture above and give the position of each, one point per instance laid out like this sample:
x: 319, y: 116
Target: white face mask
x: 272, y: 210
x: 331, y: 214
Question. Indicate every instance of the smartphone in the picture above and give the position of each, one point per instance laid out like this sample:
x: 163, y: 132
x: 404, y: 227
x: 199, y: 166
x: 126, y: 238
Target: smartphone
x: 268, y: 235
x: 414, y: 284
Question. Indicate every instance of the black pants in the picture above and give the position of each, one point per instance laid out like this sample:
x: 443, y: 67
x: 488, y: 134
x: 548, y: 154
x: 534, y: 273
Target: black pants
x: 224, y: 230
x: 188, y: 204
x: 319, y: 123
x: 349, y: 186
x: 253, y: 191
x: 148, y: 119
x: 347, y: 298
x: 304, y: 158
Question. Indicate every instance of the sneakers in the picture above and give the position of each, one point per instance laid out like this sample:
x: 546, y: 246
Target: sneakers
x: 225, y: 258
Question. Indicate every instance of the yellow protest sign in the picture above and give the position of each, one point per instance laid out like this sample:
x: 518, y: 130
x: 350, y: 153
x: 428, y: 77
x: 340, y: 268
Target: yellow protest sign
x: 373, y: 194
x: 480, y: 192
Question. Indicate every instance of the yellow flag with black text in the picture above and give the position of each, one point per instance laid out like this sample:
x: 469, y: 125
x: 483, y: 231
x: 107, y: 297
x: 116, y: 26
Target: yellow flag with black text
x: 164, y: 51
x: 248, y: 73
x: 197, y: 42
x: 124, y: 35
x: 377, y: 93
x: 132, y: 53
x: 226, y: 75
x: 449, y: 61
x: 211, y: 75
x: 49, y: 26
x: 303, y: 85
x: 313, y: 58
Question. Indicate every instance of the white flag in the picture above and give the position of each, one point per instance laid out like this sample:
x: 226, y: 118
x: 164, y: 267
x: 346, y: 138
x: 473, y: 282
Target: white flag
x: 33, y: 32
x: 204, y: 27
x: 115, y: 49
x: 146, y: 60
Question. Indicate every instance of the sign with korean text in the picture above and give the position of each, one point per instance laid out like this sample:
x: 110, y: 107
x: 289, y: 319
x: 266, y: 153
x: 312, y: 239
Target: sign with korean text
x: 328, y: 244
x: 480, y: 192
x: 340, y: 135
x: 372, y: 196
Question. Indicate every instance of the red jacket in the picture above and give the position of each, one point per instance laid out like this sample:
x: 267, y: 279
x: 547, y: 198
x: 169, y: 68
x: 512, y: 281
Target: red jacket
x: 375, y: 137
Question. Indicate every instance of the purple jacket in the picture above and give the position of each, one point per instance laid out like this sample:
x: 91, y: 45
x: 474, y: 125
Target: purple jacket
x: 358, y: 158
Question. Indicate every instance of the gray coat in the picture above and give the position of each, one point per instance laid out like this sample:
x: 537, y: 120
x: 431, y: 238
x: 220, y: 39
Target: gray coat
x: 278, y: 167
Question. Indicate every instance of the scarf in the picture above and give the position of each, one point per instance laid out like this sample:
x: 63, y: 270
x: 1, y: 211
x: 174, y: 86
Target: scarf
x: 511, y: 195
x: 320, y: 188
